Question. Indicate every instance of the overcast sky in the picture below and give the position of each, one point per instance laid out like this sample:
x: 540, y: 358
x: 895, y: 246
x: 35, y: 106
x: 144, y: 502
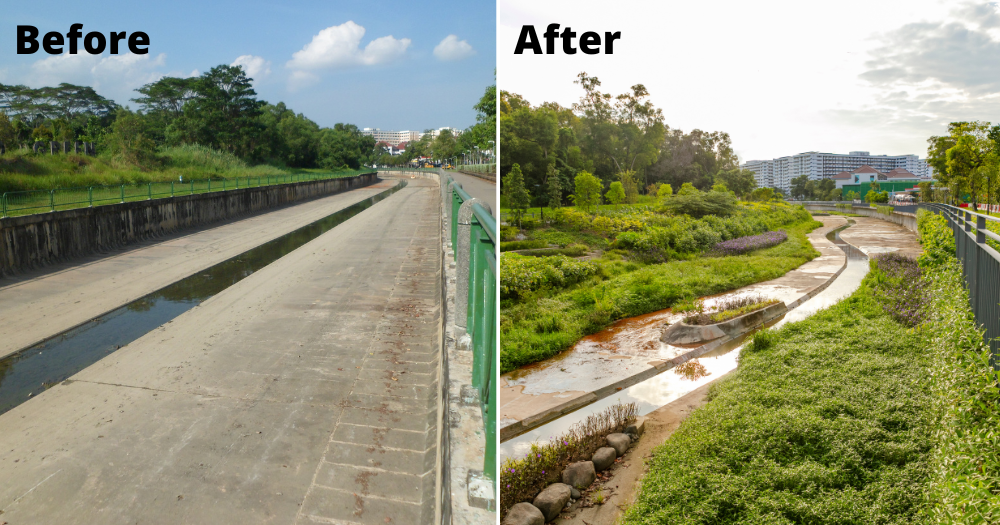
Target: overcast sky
x: 387, y: 64
x: 780, y: 77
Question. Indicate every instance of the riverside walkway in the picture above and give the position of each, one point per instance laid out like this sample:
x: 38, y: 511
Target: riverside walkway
x: 308, y: 392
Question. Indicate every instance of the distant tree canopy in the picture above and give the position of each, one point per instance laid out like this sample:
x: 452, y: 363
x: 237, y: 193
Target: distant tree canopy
x: 607, y: 135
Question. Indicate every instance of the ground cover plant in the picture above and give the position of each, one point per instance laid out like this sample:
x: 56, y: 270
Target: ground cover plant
x: 650, y: 261
x: 730, y: 308
x: 827, y: 420
x: 521, y: 479
x: 964, y: 485
x: 750, y: 243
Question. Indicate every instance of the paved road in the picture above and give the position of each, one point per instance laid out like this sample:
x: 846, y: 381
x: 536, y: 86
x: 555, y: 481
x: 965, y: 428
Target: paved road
x: 39, y: 305
x: 478, y: 188
x: 305, y: 393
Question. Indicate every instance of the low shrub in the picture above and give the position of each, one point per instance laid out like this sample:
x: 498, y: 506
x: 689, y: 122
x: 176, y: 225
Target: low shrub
x: 509, y: 233
x: 729, y: 309
x: 520, y: 275
x: 885, y: 210
x: 937, y: 239
x: 898, y: 284
x: 521, y: 479
x: 750, y: 243
x: 521, y: 245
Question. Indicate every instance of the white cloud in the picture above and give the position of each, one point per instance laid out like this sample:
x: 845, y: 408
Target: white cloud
x: 451, y: 48
x: 254, y: 66
x: 114, y: 76
x: 340, y: 46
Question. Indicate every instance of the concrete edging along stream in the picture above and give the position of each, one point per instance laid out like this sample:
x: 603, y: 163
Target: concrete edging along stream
x: 657, y: 367
x: 33, y: 241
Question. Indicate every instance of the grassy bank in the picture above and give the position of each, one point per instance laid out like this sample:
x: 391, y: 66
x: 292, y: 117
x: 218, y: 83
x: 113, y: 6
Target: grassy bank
x: 581, y: 298
x: 22, y: 170
x: 827, y: 420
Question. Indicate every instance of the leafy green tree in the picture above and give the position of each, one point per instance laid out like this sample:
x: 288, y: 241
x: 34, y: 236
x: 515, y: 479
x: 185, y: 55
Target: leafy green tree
x: 127, y: 142
x: 629, y: 185
x: 720, y: 186
x: 762, y: 194
x: 517, y: 195
x: 588, y: 191
x: 800, y: 187
x: 852, y: 195
x: 553, y: 187
x: 925, y: 191
x: 663, y: 193
x: 343, y: 146
x: 687, y: 189
x: 224, y: 115
x: 615, y: 194
x: 739, y: 181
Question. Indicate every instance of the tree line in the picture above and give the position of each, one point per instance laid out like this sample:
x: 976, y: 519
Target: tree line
x: 218, y: 109
x: 966, y: 162
x: 617, y: 138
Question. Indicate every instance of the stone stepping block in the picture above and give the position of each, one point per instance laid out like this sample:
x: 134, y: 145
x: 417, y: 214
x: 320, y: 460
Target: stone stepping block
x: 603, y: 458
x: 580, y: 474
x: 619, y: 442
x: 524, y: 514
x: 553, y: 500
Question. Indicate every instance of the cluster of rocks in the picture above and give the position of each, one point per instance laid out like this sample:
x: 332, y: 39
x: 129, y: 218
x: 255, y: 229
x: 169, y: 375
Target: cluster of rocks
x: 53, y: 147
x: 575, y: 477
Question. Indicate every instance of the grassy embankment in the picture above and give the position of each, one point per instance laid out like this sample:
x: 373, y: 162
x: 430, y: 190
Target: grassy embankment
x: 881, y: 409
x: 649, y: 262
x: 177, y: 168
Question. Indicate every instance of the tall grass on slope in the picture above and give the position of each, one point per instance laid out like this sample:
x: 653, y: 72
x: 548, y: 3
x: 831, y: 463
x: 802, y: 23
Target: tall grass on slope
x: 965, y: 463
x: 825, y: 421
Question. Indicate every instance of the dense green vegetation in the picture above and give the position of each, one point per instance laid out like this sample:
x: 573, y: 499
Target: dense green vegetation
x: 824, y: 421
x: 880, y: 409
x: 650, y: 261
x: 212, y: 125
x: 620, y: 138
x: 965, y: 470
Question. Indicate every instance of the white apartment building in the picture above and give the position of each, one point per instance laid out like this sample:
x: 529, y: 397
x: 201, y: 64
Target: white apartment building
x: 778, y: 173
x: 397, y: 137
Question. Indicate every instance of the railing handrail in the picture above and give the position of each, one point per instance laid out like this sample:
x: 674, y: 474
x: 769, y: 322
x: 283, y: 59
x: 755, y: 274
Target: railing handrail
x: 486, y: 219
x: 148, y: 193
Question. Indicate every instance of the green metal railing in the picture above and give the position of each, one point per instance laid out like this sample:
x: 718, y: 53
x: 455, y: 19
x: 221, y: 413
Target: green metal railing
x: 477, y: 168
x: 481, y: 316
x: 14, y: 203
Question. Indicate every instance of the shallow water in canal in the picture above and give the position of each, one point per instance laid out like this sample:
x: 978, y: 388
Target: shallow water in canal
x: 28, y: 372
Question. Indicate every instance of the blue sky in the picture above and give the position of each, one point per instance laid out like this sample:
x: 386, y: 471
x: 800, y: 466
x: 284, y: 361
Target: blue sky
x: 313, y: 55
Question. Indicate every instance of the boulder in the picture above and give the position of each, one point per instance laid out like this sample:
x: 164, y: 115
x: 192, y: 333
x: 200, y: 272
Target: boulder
x: 524, y: 514
x: 637, y: 428
x: 619, y: 442
x: 552, y: 500
x: 580, y: 474
x: 575, y: 494
x: 604, y: 458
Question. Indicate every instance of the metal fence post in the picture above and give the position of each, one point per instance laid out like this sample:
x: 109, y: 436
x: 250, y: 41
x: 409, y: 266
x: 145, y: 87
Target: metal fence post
x: 149, y: 191
x: 4, y: 204
x: 123, y: 192
x: 464, y: 257
x: 90, y: 195
x: 171, y: 188
x: 52, y: 199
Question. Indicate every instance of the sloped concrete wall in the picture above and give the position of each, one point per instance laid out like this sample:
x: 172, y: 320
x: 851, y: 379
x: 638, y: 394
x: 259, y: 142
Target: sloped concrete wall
x: 906, y: 220
x: 34, y: 241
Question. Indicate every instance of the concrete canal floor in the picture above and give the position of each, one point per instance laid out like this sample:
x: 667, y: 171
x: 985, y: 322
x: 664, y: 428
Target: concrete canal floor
x: 46, y: 302
x: 306, y: 393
